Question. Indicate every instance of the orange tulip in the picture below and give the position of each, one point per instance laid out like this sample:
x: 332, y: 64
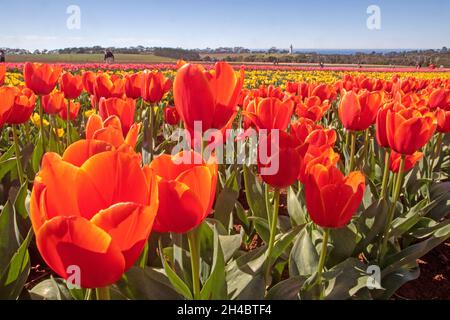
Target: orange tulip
x: 110, y: 131
x: 270, y: 113
x: 73, y: 112
x: 408, y: 130
x: 7, y: 99
x: 381, y: 129
x: 307, y: 131
x: 133, y: 83
x: 331, y: 198
x: 154, y: 85
x: 312, y: 108
x: 2, y: 74
x: 186, y: 191
x: 22, y: 108
x: 358, y: 111
x: 443, y: 119
x: 96, y: 216
x: 53, y: 103
x: 410, y: 161
x: 122, y: 108
x: 106, y: 86
x: 284, y: 160
x: 312, y: 154
x: 71, y: 85
x: 41, y: 78
x: 88, y: 80
x: 207, y: 96
x: 440, y: 98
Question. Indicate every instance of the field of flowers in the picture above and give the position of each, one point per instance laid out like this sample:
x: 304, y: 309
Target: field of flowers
x: 114, y: 182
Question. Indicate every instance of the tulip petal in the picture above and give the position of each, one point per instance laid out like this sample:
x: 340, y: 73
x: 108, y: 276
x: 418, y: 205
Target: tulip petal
x: 129, y: 225
x: 76, y: 242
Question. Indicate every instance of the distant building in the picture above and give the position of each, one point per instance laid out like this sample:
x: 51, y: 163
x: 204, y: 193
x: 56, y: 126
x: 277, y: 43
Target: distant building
x: 291, y: 49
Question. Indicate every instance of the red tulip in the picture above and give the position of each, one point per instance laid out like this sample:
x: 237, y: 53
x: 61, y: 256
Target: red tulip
x: 71, y: 85
x: 133, y: 83
x: 307, y: 131
x: 88, y: 80
x: 358, y: 111
x: 22, y: 109
x: 408, y: 130
x: 53, y: 103
x: 122, y: 108
x: 410, y: 161
x: 312, y: 108
x: 41, y: 78
x: 154, y: 85
x: 270, y: 113
x: 281, y: 158
x: 443, y: 119
x: 331, y: 198
x: 73, y: 112
x: 110, y: 131
x: 207, y: 96
x: 106, y: 86
x: 171, y: 116
x: 187, y: 188
x: 97, y: 216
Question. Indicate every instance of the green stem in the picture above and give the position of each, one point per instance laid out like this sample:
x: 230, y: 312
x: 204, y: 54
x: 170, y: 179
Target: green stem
x: 41, y: 127
x: 194, y: 248
x: 20, y: 172
x: 352, y: 151
x: 144, y: 257
x: 273, y: 223
x: 68, y: 123
x: 322, y: 259
x: 55, y: 132
x: 390, y: 217
x: 387, y: 159
x: 366, y: 144
x: 151, y: 119
x: 88, y: 294
x: 103, y: 293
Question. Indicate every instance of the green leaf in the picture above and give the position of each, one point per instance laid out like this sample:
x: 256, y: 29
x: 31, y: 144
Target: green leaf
x: 287, y: 289
x: 294, y: 207
x: 177, y: 283
x: 7, y: 166
x: 254, y: 193
x: 409, y: 255
x: 371, y: 223
x: 346, y: 279
x: 147, y: 284
x: 244, y: 276
x: 226, y: 200
x: 51, y: 289
x: 215, y: 287
x: 343, y: 242
x: 37, y: 155
x: 304, y: 257
x: 9, y: 240
x: 394, y: 281
x: 262, y: 227
x: 283, y: 241
x: 230, y: 245
x: 14, y: 277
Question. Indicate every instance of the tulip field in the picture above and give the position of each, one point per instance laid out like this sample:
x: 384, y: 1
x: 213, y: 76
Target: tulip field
x: 220, y: 182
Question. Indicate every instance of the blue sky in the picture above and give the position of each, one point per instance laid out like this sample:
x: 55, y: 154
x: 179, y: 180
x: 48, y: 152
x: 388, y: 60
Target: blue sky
x: 319, y: 24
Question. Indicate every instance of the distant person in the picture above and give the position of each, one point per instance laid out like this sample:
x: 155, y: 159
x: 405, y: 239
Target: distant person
x: 109, y: 57
x: 321, y: 64
x: 2, y: 56
x: 418, y: 66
